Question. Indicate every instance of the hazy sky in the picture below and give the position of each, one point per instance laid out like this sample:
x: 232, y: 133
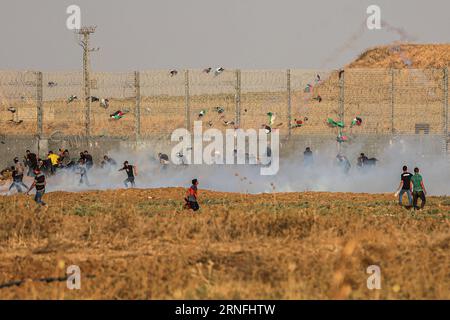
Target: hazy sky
x: 252, y: 34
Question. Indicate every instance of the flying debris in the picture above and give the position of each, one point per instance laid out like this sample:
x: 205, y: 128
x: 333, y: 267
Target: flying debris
x: 341, y: 138
x: 333, y: 123
x: 267, y: 128
x: 299, y: 122
x: 104, y: 103
x: 219, y: 71
x: 51, y: 84
x: 72, y: 98
x: 308, y: 88
x: 271, y: 118
x: 207, y: 70
x: 173, y: 73
x: 318, y: 98
x: 118, y: 115
x: 356, y: 122
x: 226, y: 122
x: 220, y: 110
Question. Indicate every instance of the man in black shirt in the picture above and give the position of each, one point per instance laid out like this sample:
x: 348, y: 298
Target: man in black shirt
x: 88, y: 160
x: 131, y: 173
x: 405, y: 186
x: 31, y: 161
x: 39, y: 183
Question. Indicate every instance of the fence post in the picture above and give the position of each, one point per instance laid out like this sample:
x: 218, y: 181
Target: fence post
x: 392, y: 101
x: 39, y: 102
x: 341, y: 102
x: 237, y: 98
x: 137, y: 106
x: 289, y: 104
x: 445, y: 109
x: 186, y: 100
x: 87, y: 98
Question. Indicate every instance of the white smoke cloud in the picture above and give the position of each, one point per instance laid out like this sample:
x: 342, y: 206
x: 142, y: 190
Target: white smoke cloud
x: 323, y: 175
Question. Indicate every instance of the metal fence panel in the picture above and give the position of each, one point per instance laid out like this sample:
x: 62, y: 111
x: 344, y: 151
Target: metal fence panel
x: 407, y: 101
x: 162, y: 102
x: 18, y: 102
x: 118, y: 88
x: 63, y: 105
x: 263, y: 92
x: 367, y: 95
x: 314, y: 98
x: 418, y: 101
x: 212, y: 98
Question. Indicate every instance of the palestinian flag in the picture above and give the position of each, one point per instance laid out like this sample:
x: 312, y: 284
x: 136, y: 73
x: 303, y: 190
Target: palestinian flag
x: 117, y: 115
x: 341, y: 138
x: 356, y: 122
x: 333, y: 123
x: 271, y: 118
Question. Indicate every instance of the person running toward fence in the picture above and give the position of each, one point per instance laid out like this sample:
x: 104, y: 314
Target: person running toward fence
x: 419, y: 190
x: 38, y: 183
x: 54, y: 158
x: 31, y: 162
x: 131, y: 173
x: 405, y: 186
x: 191, y: 197
x: 82, y: 170
x: 88, y: 160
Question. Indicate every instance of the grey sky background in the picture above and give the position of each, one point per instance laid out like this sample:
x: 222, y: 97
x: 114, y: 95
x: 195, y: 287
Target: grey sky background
x: 248, y: 34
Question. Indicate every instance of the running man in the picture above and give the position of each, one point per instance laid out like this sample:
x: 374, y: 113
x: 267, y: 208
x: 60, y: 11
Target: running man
x: 17, y: 175
x: 39, y: 183
x: 82, y: 170
x: 405, y: 186
x: 131, y: 173
x: 88, y: 160
x: 31, y: 161
x: 54, y: 158
x: 419, y: 190
x: 191, y: 197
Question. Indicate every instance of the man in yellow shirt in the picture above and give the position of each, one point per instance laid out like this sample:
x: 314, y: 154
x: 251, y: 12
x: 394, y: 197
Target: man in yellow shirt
x: 54, y: 158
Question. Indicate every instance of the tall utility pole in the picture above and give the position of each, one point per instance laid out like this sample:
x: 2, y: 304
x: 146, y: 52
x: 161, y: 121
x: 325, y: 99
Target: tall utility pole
x: 84, y: 33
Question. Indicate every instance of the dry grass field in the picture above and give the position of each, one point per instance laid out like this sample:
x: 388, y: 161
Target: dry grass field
x: 141, y: 244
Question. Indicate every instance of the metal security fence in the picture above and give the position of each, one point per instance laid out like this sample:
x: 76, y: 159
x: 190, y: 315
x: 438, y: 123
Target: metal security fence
x: 295, y: 102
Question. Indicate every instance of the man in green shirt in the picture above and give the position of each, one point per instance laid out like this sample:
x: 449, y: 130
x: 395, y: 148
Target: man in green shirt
x: 418, y: 189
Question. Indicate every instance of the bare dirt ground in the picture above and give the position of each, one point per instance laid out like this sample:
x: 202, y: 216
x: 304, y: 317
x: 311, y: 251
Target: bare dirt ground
x: 141, y: 244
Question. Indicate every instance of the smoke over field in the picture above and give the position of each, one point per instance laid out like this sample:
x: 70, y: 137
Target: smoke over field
x: 293, y: 175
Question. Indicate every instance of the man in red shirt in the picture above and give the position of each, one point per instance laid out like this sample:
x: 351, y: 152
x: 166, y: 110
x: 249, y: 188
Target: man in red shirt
x: 191, y: 197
